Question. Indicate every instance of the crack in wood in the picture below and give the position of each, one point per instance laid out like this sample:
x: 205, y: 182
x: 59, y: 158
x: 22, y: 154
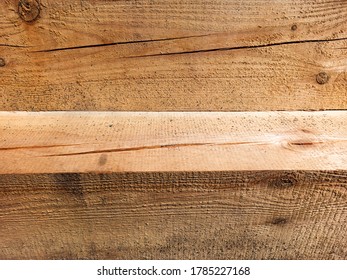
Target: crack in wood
x: 192, y: 51
x: 239, y: 47
x: 151, y: 148
x: 121, y: 43
x: 13, y: 46
x: 36, y: 147
x: 287, y: 145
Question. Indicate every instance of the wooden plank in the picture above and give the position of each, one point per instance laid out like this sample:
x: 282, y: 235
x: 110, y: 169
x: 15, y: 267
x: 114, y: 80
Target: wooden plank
x: 181, y: 215
x: 174, y: 56
x: 59, y: 142
x: 268, y: 185
x: 62, y: 24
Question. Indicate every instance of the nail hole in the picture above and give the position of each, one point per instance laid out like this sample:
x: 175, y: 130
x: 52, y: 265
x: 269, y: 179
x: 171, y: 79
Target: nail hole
x: 322, y: 78
x: 2, y: 62
x: 29, y: 10
x: 294, y: 27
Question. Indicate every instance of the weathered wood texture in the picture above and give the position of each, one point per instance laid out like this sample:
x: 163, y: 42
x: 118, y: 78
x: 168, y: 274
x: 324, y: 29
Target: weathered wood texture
x: 184, y: 215
x: 68, y: 187
x: 174, y: 55
x: 58, y: 142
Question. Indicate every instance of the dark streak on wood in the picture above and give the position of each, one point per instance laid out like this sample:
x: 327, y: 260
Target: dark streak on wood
x: 302, y: 143
x: 279, y: 221
x: 103, y: 159
x: 70, y: 183
x: 287, y: 180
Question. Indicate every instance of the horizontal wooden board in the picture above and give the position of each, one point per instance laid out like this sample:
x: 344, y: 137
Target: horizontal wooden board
x: 259, y: 185
x: 184, y: 215
x: 174, y: 55
x: 56, y: 142
x: 76, y: 23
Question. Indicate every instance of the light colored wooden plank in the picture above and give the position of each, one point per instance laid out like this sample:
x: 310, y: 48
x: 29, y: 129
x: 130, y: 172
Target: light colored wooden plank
x: 174, y: 56
x: 184, y: 215
x: 80, y: 142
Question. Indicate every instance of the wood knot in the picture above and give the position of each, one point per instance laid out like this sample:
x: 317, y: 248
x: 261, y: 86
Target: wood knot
x: 302, y: 144
x: 322, y: 78
x: 29, y: 10
x: 283, y: 182
x: 279, y: 221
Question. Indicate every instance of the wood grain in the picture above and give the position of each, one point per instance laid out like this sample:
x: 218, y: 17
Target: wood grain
x: 88, y: 185
x: 174, y: 55
x: 180, y: 215
x: 74, y: 23
x: 59, y: 142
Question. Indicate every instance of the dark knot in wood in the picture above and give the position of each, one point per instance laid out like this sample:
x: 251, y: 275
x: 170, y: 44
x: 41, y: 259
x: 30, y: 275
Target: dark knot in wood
x: 283, y: 182
x: 29, y: 10
x: 279, y: 221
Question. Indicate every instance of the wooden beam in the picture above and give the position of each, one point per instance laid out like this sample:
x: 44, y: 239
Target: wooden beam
x: 268, y: 185
x: 139, y: 142
x: 181, y: 215
x: 181, y: 56
x: 96, y: 22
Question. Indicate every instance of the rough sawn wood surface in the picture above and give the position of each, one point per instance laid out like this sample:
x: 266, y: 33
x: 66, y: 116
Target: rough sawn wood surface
x: 204, y: 186
x: 174, y: 55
